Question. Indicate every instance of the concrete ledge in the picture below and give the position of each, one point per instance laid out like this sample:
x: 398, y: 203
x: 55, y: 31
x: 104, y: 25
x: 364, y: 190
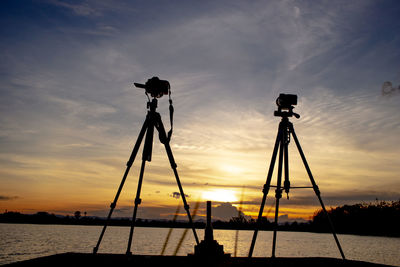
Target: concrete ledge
x: 121, y: 260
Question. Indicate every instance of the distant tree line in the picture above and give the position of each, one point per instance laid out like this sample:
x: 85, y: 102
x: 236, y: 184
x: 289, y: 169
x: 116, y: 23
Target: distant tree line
x: 379, y: 218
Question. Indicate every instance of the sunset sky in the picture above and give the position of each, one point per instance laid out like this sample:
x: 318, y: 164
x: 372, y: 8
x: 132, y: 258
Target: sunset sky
x: 70, y: 115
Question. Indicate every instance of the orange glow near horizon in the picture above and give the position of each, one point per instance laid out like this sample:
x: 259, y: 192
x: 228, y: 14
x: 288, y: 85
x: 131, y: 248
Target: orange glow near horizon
x: 305, y: 213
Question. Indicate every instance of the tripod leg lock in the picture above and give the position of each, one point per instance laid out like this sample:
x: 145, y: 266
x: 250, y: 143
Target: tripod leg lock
x: 138, y: 201
x: 173, y: 165
x: 112, y: 205
x: 265, y: 189
x: 186, y: 207
x: 278, y: 193
x: 129, y: 163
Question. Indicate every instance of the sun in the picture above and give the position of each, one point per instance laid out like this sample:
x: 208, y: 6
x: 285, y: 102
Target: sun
x: 221, y: 195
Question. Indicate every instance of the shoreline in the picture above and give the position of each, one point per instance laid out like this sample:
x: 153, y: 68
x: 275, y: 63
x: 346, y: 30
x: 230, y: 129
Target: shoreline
x: 203, y: 227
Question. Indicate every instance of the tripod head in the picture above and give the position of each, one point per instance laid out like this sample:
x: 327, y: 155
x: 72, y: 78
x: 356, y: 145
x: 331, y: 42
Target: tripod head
x: 285, y: 103
x: 157, y: 88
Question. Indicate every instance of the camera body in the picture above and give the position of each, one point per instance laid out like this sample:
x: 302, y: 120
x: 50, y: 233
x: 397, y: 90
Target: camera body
x: 285, y: 104
x: 286, y: 101
x: 155, y: 87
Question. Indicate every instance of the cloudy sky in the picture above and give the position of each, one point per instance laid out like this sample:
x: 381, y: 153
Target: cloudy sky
x: 70, y: 115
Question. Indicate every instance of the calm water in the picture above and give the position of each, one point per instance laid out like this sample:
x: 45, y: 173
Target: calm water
x: 24, y: 241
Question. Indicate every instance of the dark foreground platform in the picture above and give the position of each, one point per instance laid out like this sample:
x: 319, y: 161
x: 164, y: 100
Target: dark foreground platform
x: 118, y: 260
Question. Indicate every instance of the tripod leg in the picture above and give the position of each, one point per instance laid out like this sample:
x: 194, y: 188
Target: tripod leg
x: 186, y: 206
x: 316, y: 190
x: 286, y: 184
x: 266, y: 190
x: 128, y: 167
x: 278, y: 193
x: 137, y: 202
x: 163, y: 138
x: 146, y: 156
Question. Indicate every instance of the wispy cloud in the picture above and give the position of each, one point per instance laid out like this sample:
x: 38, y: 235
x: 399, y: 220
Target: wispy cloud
x: 89, y: 8
x: 8, y: 198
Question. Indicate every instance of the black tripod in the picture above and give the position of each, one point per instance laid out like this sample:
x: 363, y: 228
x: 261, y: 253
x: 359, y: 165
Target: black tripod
x: 153, y: 119
x: 282, y: 141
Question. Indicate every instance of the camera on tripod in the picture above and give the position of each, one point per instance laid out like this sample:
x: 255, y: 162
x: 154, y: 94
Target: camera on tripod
x: 155, y: 87
x: 286, y: 100
x: 285, y: 103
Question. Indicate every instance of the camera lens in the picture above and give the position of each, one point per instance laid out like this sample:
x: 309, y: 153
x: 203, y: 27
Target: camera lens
x: 286, y: 100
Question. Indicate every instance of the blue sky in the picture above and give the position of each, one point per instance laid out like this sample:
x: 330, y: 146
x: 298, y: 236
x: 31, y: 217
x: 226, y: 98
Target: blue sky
x: 70, y: 115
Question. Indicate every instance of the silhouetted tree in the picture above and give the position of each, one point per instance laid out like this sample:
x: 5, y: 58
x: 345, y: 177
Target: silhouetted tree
x: 238, y: 220
x: 77, y: 214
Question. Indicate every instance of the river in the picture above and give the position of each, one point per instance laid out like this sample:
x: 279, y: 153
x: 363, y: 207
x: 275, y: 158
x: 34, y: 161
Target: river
x: 26, y: 241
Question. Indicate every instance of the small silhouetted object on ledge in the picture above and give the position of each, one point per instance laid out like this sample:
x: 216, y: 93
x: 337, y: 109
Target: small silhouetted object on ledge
x: 209, y: 248
x: 156, y: 88
x: 286, y: 103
